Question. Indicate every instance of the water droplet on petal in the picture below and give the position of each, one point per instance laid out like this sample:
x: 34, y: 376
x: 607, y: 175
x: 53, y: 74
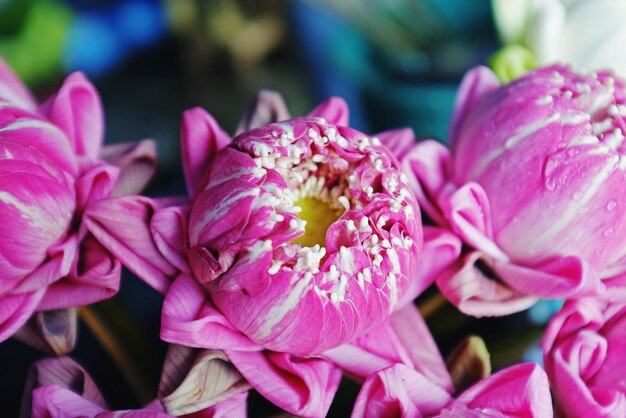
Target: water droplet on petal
x: 608, y: 231
x: 577, y: 195
x: 611, y: 205
x: 572, y: 152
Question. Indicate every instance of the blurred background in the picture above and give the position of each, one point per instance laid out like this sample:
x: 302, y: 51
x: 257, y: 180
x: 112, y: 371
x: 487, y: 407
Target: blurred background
x: 396, y: 62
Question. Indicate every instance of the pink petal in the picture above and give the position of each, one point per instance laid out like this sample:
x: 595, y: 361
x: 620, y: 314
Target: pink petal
x: 399, y: 391
x: 468, y: 211
x: 233, y: 407
x: 15, y: 311
x: 94, y: 276
x: 30, y: 138
x: 421, y: 347
x: 64, y: 373
x: 584, y: 358
x: 95, y: 184
x: 53, y: 401
x: 268, y: 107
x: 398, y: 141
x: 301, y: 386
x: 404, y: 339
x: 441, y: 249
x: 137, y: 164
x: 168, y: 227
x: 334, y: 111
x: 521, y: 391
x: 13, y: 91
x: 77, y: 110
x: 36, y: 208
x: 189, y: 318
x: 555, y: 278
x: 201, y: 138
x: 467, y: 287
x: 122, y: 225
x: 573, y: 316
x: 428, y: 167
x: 476, y: 83
x: 59, y: 263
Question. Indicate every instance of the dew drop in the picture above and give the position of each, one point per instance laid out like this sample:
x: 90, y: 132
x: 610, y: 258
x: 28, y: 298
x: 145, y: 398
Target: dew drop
x: 611, y: 205
x: 572, y: 152
x: 550, y: 183
x: 577, y: 195
x: 608, y: 232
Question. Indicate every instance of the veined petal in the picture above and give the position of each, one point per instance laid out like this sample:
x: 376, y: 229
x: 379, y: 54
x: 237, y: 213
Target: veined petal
x: 470, y: 290
x: 189, y: 318
x: 58, y: 402
x: 398, y: 141
x: 201, y: 138
x: 428, y: 167
x: 468, y: 211
x: 95, y: 184
x: 94, y: 276
x: 137, y: 164
x: 441, y: 250
x: 268, y: 107
x: 233, y: 407
x: 399, y: 391
x: 520, y: 390
x: 302, y: 386
x: 194, y: 380
x: 334, y: 110
x: 122, y: 225
x: 555, y: 278
x: 404, y: 339
x: 476, y: 83
x: 76, y: 108
x: 61, y: 373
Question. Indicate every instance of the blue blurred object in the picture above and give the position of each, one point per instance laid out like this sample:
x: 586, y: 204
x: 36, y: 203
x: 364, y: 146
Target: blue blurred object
x: 534, y: 354
x: 328, y: 62
x: 101, y: 37
x: 92, y: 46
x: 140, y: 23
x: 541, y: 312
x: 396, y: 63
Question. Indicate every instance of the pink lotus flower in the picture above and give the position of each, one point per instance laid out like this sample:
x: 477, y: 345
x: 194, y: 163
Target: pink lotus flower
x: 398, y: 391
x: 584, y: 350
x: 54, y: 170
x: 534, y: 185
x: 61, y: 388
x: 296, y: 252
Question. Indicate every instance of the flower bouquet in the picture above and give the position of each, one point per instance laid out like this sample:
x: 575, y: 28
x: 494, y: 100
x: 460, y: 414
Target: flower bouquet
x: 306, y: 257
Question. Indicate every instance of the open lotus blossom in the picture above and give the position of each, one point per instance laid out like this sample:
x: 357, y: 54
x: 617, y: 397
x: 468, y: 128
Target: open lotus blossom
x: 533, y: 183
x: 398, y: 391
x: 55, y: 168
x: 311, y: 227
x: 584, y: 349
x: 60, y: 387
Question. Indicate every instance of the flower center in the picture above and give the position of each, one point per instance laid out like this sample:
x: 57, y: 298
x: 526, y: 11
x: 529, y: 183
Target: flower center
x: 319, y: 215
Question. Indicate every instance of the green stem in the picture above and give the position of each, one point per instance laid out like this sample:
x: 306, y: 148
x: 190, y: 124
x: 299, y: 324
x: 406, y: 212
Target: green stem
x: 126, y: 344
